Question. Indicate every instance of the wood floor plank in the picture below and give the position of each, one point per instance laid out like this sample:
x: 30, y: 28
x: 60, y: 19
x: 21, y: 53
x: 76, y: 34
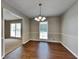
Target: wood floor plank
x: 40, y: 50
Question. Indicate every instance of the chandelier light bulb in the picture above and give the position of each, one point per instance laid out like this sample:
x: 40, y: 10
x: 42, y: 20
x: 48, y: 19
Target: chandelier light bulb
x: 43, y: 18
x: 40, y: 17
x: 37, y: 19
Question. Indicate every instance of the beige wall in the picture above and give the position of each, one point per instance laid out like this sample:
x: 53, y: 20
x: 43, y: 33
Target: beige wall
x: 70, y: 29
x: 34, y: 29
x: 25, y: 30
x: 53, y: 29
x: 7, y: 29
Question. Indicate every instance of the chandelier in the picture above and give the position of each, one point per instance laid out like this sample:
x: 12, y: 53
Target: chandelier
x: 40, y: 18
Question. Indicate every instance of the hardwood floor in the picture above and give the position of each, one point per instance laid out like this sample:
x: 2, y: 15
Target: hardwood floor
x: 40, y: 50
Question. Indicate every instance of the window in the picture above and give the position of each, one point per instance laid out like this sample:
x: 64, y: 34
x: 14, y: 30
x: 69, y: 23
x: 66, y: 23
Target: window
x: 43, y: 29
x: 15, y: 29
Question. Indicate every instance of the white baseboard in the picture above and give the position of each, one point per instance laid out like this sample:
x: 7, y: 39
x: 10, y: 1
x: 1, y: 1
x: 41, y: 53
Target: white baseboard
x: 69, y: 49
x: 45, y: 40
x: 25, y: 42
x: 3, y: 56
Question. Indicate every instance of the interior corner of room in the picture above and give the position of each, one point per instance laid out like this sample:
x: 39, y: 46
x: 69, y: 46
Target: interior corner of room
x: 18, y: 28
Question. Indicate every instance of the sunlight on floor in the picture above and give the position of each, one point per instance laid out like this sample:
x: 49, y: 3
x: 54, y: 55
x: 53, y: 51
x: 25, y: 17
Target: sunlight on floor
x: 43, y: 50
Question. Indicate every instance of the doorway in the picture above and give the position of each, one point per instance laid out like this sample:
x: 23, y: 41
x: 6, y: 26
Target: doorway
x: 43, y: 30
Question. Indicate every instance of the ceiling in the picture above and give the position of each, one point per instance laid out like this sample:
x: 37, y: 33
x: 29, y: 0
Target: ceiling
x: 7, y: 15
x: 30, y: 8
